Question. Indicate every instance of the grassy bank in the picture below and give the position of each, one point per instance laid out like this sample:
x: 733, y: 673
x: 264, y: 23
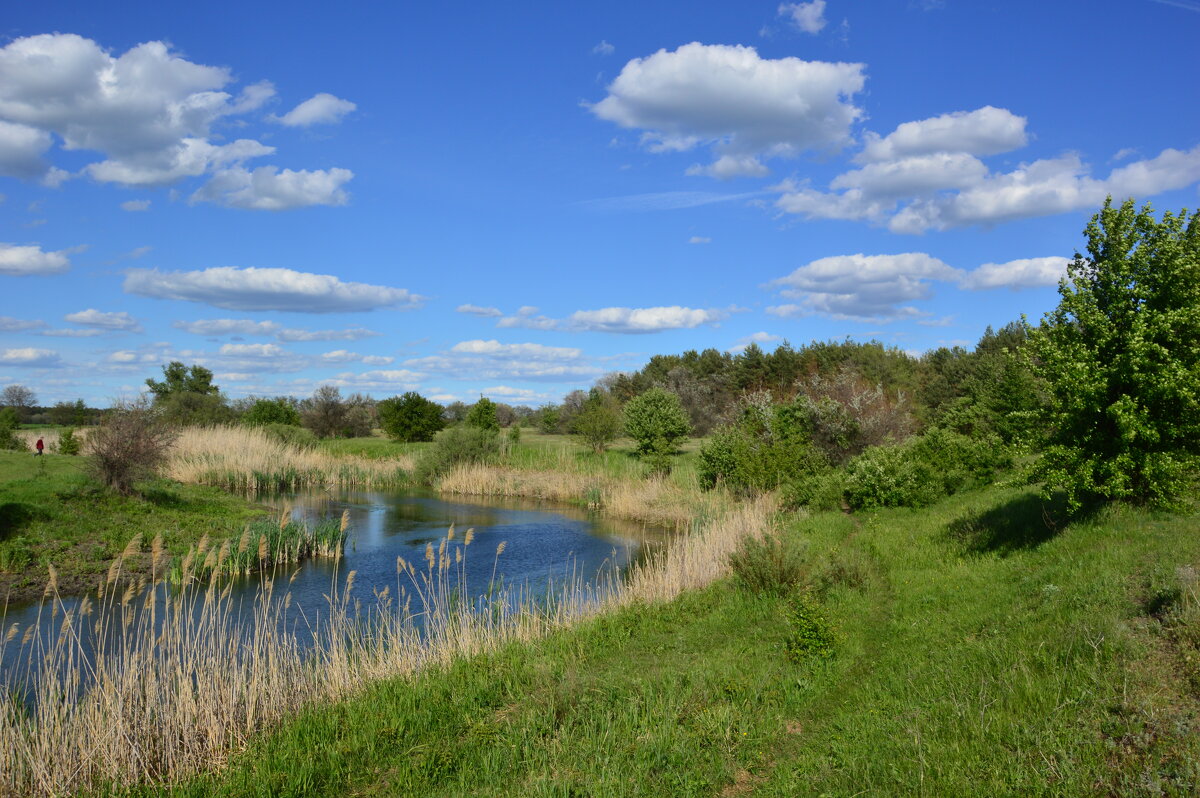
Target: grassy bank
x: 980, y: 647
x: 50, y: 512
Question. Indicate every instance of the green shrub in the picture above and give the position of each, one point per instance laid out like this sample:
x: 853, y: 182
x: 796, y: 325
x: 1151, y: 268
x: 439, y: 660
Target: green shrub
x: 410, y: 417
x: 8, y: 431
x: 483, y: 415
x: 810, y: 634
x: 297, y: 437
x: 767, y: 447
x: 819, y: 489
x: 923, y: 470
x: 456, y: 446
x: 67, y: 442
x: 656, y: 421
x: 263, y: 412
x: 767, y: 566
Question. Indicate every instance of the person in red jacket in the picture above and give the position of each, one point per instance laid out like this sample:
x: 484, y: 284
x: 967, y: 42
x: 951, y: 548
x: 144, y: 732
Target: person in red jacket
x: 40, y: 447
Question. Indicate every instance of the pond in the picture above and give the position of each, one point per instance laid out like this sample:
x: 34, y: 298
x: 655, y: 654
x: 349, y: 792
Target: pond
x: 542, y: 546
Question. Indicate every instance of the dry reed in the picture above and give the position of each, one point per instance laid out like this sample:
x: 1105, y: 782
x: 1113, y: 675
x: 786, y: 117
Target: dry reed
x: 248, y: 460
x: 175, y: 686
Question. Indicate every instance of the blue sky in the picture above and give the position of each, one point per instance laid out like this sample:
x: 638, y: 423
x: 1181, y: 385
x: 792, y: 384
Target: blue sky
x: 514, y: 199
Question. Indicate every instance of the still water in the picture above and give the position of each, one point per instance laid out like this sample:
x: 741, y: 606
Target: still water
x: 542, y: 546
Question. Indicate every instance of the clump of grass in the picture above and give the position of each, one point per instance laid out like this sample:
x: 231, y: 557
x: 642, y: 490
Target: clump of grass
x: 768, y: 566
x: 262, y: 546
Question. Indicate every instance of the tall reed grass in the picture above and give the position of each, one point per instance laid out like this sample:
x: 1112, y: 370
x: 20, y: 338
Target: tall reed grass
x: 176, y: 683
x: 247, y: 460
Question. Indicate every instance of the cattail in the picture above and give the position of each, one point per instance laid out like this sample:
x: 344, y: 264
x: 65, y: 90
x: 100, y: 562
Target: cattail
x: 350, y: 581
x: 210, y: 562
x: 286, y: 517
x: 442, y: 549
x: 244, y: 540
x: 429, y: 553
x: 51, y: 583
x: 458, y: 555
x: 469, y: 537
x: 114, y: 570
x: 127, y: 596
x: 450, y: 534
x: 12, y: 632
x: 202, y: 546
x: 157, y: 552
x: 132, y: 547
x: 400, y: 565
x: 263, y: 549
x: 500, y: 549
x: 224, y: 554
x: 29, y: 635
x: 345, y: 521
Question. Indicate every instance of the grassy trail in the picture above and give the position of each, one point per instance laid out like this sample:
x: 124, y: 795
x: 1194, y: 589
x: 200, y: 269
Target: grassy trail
x: 979, y: 652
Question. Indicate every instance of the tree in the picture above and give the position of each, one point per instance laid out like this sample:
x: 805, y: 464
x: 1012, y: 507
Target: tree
x: 599, y: 423
x: 656, y: 421
x: 281, y: 410
x: 325, y: 412
x: 19, y: 398
x: 186, y: 395
x: 410, y: 417
x: 1121, y: 359
x: 131, y: 444
x: 547, y: 419
x: 8, y: 430
x: 483, y: 415
x: 67, y: 414
x: 178, y: 378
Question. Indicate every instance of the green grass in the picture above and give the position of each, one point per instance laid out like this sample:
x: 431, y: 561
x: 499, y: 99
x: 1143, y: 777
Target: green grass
x: 982, y: 646
x: 373, y: 448
x: 51, y: 513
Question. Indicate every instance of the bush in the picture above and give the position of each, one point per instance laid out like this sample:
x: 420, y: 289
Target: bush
x: 8, y: 431
x: 656, y: 422
x: 767, y: 566
x: 846, y: 415
x: 810, y: 633
x: 923, y: 470
x: 410, y: 417
x: 131, y: 444
x: 272, y: 411
x: 599, y: 423
x: 482, y: 415
x: 819, y: 489
x: 767, y: 448
x: 298, y: 437
x: 67, y: 442
x: 459, y: 445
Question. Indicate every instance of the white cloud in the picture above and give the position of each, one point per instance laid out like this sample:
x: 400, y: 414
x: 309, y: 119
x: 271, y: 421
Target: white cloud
x: 739, y: 104
x: 728, y: 167
x: 480, y: 359
x: 519, y: 395
x: 984, y: 131
x: 135, y: 205
x: 30, y: 259
x: 253, y: 288
x: 21, y: 149
x: 754, y: 338
x: 320, y: 109
x: 344, y: 356
x: 9, y: 324
x: 1023, y: 273
x: 269, y: 189
x: 349, y: 334
x: 476, y: 310
x: 252, y: 350
x: 643, y: 320
x: 387, y: 379
x: 494, y: 348
x: 921, y: 174
x: 149, y: 111
x: 30, y: 357
x: 227, y: 327
x: 808, y: 17
x: 699, y: 240
x: 72, y: 333
x: 105, y: 321
x: 861, y: 287
x: 603, y: 48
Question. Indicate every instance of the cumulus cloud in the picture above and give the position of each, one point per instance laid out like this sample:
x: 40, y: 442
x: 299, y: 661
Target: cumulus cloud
x: 1022, y: 273
x: 491, y: 359
x: 383, y: 380
x: 807, y: 17
x: 494, y: 348
x: 215, y: 327
x: 643, y: 320
x: 476, y: 310
x: 730, y: 166
x: 269, y: 189
x: 984, y: 131
x: 754, y: 338
x: 135, y: 205
x: 72, y: 333
x: 30, y: 357
x: 91, y: 317
x: 10, y: 324
x: 738, y: 104
x: 344, y: 356
x: 517, y: 395
x: 603, y: 48
x: 30, y: 259
x: 349, y: 334
x: 252, y: 350
x: 862, y: 287
x: 320, y: 109
x: 251, y: 289
x: 21, y: 150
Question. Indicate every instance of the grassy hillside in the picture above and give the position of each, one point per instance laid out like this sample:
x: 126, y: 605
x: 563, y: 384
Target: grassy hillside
x: 980, y: 647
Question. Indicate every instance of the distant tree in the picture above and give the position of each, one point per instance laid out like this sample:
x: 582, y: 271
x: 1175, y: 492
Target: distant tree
x: 131, y: 444
x: 9, y: 420
x: 1121, y: 360
x: 455, y: 412
x: 325, y: 412
x: 411, y: 417
x: 187, y: 395
x: 66, y: 414
x: 280, y: 410
x: 67, y: 442
x: 656, y: 422
x: 178, y: 378
x: 599, y: 422
x: 361, y: 416
x: 548, y: 418
x: 483, y: 415
x: 20, y: 399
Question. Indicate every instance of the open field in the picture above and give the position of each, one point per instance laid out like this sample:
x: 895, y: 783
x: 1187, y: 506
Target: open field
x: 976, y: 651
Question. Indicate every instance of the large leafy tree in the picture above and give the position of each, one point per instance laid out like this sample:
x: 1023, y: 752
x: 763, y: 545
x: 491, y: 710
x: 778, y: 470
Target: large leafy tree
x: 483, y: 415
x: 410, y: 417
x: 1121, y: 360
x: 187, y: 395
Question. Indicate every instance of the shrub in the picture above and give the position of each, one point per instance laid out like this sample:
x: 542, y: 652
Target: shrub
x: 324, y: 412
x: 599, y: 423
x: 819, y: 489
x: 8, y: 431
x: 410, y: 417
x: 767, y: 566
x: 923, y: 470
x: 768, y: 447
x: 656, y: 421
x: 272, y: 411
x: 482, y: 415
x: 459, y: 445
x: 846, y: 415
x: 67, y: 442
x: 131, y: 444
x: 810, y: 634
